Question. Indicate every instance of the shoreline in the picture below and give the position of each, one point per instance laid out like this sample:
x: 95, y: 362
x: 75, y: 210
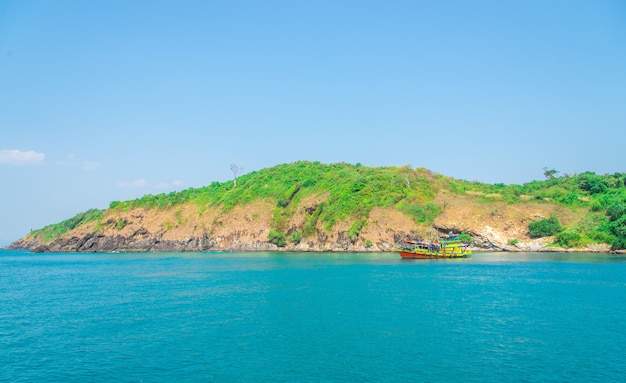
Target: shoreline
x: 318, y: 251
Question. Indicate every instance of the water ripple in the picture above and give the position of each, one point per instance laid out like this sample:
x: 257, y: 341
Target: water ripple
x: 309, y: 318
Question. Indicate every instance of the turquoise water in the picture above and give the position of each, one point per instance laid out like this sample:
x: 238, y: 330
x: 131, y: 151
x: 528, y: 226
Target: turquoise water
x: 202, y: 317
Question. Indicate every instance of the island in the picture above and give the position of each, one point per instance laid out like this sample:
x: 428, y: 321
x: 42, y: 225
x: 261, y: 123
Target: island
x: 311, y: 206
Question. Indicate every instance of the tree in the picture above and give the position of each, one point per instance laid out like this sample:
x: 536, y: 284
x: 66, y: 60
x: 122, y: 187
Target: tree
x: 236, y: 171
x: 549, y: 174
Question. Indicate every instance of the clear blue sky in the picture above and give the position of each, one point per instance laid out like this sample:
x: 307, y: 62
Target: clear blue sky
x: 111, y: 100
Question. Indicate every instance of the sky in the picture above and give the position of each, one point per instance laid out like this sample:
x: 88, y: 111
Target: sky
x: 106, y: 101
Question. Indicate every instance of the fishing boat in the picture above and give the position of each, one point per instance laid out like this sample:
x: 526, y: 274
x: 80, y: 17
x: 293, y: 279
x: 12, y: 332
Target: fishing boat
x: 447, y: 246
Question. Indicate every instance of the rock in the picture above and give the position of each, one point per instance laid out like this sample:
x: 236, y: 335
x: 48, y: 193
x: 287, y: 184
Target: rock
x: 142, y: 240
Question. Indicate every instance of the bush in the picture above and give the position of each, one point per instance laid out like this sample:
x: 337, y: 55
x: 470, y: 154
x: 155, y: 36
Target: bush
x: 568, y: 239
x: 277, y: 238
x: 465, y: 238
x: 544, y: 228
x: 618, y: 229
x: 425, y: 213
x: 616, y: 210
x: 295, y: 237
x: 356, y: 228
x: 592, y: 183
x: 570, y: 199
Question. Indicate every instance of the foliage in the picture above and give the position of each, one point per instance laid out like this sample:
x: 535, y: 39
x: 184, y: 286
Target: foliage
x: 277, y: 237
x: 568, y: 239
x: 617, y: 228
x: 295, y: 237
x: 549, y: 173
x: 54, y: 231
x: 614, y: 203
x: 425, y: 213
x: 310, y: 226
x: 513, y: 241
x: 592, y: 183
x: 603, y: 195
x: 544, y: 228
x: 571, y: 199
x: 616, y: 209
x: 356, y: 227
x: 465, y: 238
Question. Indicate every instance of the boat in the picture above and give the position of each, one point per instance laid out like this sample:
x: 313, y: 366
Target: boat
x: 446, y: 246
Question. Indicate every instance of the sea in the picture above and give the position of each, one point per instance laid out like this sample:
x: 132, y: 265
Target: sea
x: 311, y: 317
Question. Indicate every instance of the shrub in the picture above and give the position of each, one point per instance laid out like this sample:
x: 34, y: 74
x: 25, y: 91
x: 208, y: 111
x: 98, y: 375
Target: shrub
x: 310, y: 227
x: 465, y: 238
x: 356, y: 227
x: 277, y: 238
x: 570, y: 199
x: 425, y: 213
x: 295, y: 237
x: 616, y: 210
x: 592, y: 183
x: 544, y: 228
x: 513, y: 241
x: 568, y: 239
x: 618, y: 229
x: 279, y: 220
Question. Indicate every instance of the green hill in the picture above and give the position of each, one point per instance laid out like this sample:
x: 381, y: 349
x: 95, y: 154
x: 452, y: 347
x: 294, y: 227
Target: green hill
x: 308, y: 202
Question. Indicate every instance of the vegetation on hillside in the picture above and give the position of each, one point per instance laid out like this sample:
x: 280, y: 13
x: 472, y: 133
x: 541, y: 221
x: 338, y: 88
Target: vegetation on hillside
x: 544, y: 228
x: 602, y: 196
x: 54, y: 231
x: 351, y: 191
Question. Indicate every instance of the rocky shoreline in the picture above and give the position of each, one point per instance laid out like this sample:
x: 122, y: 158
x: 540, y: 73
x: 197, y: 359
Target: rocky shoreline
x: 142, y: 241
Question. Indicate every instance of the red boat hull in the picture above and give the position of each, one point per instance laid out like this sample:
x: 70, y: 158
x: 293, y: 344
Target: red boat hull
x: 419, y: 255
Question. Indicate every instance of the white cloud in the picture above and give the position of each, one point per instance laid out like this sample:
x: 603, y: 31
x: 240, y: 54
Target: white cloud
x: 73, y: 161
x: 168, y: 185
x: 90, y: 165
x: 18, y: 157
x: 138, y: 183
x: 68, y: 161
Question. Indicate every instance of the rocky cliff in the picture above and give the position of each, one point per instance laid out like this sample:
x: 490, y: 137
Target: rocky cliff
x: 497, y: 226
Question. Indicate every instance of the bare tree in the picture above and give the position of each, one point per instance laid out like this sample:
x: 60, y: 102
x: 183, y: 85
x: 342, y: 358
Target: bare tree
x: 236, y: 171
x: 407, y: 169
